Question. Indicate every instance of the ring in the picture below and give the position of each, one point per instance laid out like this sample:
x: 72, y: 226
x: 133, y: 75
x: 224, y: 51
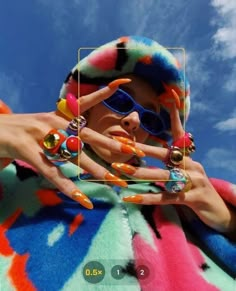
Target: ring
x: 179, y: 181
x: 185, y: 144
x: 58, y: 146
x: 76, y: 124
x: 174, y: 157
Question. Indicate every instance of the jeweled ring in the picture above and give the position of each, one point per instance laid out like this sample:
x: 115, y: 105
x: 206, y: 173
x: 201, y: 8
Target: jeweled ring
x: 174, y: 157
x: 185, y: 144
x: 76, y: 124
x: 58, y: 146
x: 179, y: 181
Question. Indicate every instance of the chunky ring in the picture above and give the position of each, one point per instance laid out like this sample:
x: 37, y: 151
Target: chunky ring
x: 185, y: 143
x: 76, y: 124
x: 179, y: 181
x: 58, y: 146
x: 174, y: 157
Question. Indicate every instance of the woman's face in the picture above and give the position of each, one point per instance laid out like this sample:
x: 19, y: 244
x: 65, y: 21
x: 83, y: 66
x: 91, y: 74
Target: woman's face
x: 109, y: 123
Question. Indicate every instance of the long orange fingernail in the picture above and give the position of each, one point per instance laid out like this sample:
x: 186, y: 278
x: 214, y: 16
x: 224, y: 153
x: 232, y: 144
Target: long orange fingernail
x: 4, y: 109
x: 81, y: 198
x: 124, y: 140
x: 176, y: 96
x: 118, y: 82
x: 126, y: 168
x: 134, y: 198
x: 109, y: 177
x: 127, y: 149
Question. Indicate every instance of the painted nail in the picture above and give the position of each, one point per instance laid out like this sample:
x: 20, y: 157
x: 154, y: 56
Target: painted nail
x: 126, y: 168
x: 72, y: 104
x: 124, y: 140
x: 118, y: 82
x: 176, y: 97
x: 81, y: 198
x: 127, y: 149
x: 4, y: 109
x: 64, y: 109
x: 109, y: 177
x: 133, y: 199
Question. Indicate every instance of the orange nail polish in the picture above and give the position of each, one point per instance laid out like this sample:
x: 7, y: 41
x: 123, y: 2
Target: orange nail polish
x: 127, y: 149
x: 124, y: 140
x: 109, y: 177
x: 133, y: 199
x: 118, y: 82
x: 81, y: 198
x: 176, y: 97
x: 4, y: 109
x: 128, y: 169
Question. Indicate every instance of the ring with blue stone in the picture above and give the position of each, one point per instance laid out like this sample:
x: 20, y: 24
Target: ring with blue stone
x: 179, y: 181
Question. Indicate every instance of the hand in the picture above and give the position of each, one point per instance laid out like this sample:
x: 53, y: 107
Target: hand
x: 21, y: 135
x: 202, y: 198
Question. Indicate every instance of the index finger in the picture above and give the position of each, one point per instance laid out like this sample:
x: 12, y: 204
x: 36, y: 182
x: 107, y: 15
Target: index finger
x: 90, y: 100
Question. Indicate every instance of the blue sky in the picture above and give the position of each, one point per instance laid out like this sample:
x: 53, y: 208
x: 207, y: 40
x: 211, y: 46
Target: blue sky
x: 40, y: 38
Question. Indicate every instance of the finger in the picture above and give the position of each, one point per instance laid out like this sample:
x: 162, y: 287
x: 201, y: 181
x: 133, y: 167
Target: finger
x: 161, y: 198
x: 90, y: 136
x: 99, y: 172
x: 142, y: 173
x: 88, y: 101
x: 162, y: 153
x: 37, y: 159
x: 176, y: 125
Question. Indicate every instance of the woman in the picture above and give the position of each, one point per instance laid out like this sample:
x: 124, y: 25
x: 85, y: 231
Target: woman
x: 49, y: 242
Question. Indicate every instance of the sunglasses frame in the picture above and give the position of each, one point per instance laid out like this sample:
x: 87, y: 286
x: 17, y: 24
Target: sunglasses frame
x: 136, y: 107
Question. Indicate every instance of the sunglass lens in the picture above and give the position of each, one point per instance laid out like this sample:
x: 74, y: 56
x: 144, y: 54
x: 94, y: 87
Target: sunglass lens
x: 120, y: 102
x: 152, y: 123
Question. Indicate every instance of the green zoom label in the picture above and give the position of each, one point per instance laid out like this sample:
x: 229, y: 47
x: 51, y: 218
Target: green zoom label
x: 93, y: 272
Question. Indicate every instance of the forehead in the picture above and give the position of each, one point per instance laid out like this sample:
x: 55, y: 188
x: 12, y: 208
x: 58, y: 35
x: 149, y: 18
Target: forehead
x: 141, y: 90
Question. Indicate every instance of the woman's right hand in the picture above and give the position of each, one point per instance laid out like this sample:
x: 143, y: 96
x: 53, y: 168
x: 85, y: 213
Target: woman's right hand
x: 21, y: 135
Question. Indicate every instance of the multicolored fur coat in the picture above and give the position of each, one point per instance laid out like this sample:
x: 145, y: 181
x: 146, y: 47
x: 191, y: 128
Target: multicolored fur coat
x: 46, y: 239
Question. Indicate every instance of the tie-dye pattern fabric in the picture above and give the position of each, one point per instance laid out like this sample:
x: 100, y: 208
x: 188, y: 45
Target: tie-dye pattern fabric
x: 46, y: 239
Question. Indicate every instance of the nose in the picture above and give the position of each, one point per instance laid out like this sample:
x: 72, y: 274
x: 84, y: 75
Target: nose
x: 131, y: 122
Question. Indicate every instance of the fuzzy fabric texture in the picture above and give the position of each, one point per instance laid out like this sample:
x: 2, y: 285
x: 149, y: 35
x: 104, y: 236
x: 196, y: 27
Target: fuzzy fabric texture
x: 46, y: 239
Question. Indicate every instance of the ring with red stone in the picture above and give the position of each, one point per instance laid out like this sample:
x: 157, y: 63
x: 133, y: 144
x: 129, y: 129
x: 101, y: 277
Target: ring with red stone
x: 58, y: 146
x: 185, y: 144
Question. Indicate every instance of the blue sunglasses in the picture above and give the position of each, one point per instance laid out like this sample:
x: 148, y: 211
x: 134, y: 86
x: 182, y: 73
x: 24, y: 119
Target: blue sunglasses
x: 122, y: 103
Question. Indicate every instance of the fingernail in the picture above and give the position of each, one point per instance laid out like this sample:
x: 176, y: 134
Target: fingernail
x: 72, y: 104
x: 63, y: 108
x: 127, y: 149
x: 133, y: 198
x: 81, y: 198
x: 128, y: 169
x: 124, y: 140
x: 4, y: 109
x: 109, y: 177
x: 118, y: 82
x: 176, y: 96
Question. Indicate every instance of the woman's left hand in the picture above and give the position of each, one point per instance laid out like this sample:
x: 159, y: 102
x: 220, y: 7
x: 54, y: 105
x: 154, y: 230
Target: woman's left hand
x: 202, y: 198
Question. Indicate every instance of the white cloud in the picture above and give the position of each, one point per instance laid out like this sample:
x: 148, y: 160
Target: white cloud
x: 221, y: 159
x: 10, y: 91
x: 225, y: 36
x: 68, y: 15
x: 228, y: 124
x: 230, y: 84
